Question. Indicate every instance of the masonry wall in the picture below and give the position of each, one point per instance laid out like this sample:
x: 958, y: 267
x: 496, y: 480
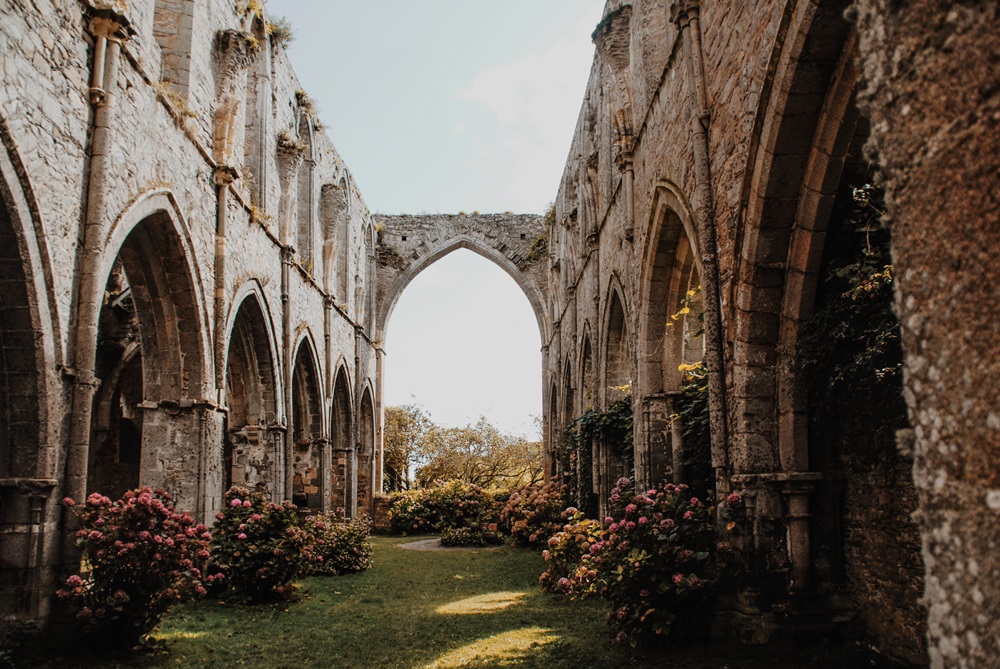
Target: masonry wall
x: 84, y: 169
x: 932, y: 91
x: 637, y: 191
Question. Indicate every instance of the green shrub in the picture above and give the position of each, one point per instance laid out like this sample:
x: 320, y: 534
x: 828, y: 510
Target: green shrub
x: 410, y: 512
x: 452, y: 504
x: 457, y: 504
x: 494, y: 502
x: 338, y: 547
x: 534, y: 513
x: 693, y: 420
x: 140, y: 558
x: 470, y: 536
x: 259, y: 546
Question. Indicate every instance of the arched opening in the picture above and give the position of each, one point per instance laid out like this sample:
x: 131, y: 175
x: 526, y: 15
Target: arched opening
x: 672, y: 342
x: 344, y: 469
x: 23, y: 457
x: 797, y: 250
x: 617, y: 359
x: 569, y: 394
x: 252, y: 444
x: 841, y: 400
x: 552, y: 438
x: 150, y: 364
x: 616, y: 460
x: 364, y: 279
x: 588, y: 475
x: 19, y: 401
x: 482, y: 356
x: 460, y: 262
x: 366, y: 451
x: 306, y: 430
x: 305, y: 220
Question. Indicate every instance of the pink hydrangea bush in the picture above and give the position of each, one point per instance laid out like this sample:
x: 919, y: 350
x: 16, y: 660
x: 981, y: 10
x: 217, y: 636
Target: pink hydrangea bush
x: 458, y: 504
x: 657, y: 563
x: 565, y: 550
x: 259, y: 547
x: 450, y: 504
x: 411, y: 512
x: 140, y: 557
x: 534, y: 513
x: 337, y: 546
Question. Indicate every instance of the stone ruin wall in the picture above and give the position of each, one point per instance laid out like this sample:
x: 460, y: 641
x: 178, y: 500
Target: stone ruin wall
x: 165, y: 146
x: 924, y: 78
x: 769, y: 75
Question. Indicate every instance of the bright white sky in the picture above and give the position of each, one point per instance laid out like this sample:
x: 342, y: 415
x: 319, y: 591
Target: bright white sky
x: 441, y: 106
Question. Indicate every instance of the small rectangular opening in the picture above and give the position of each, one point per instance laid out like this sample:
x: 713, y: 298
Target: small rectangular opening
x: 523, y: 236
x: 404, y: 238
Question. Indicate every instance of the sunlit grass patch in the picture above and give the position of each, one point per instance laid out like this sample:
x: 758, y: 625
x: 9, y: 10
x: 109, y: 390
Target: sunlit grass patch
x: 497, y: 649
x: 488, y: 603
x: 176, y: 634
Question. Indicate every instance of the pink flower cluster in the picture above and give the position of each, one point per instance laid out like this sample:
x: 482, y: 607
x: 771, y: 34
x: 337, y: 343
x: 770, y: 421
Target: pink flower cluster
x: 143, y: 556
x: 655, y: 551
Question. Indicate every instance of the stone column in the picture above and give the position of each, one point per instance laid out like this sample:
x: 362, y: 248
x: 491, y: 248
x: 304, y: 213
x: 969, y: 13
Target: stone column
x: 654, y: 461
x: 182, y: 454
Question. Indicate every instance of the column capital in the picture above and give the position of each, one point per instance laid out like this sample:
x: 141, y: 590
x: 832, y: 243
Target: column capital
x: 682, y: 11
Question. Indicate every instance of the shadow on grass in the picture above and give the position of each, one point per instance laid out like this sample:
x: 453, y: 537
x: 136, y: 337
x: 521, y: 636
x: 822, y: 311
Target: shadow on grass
x: 433, y: 610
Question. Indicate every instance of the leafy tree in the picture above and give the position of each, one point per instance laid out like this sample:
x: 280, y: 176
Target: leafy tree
x: 478, y: 454
x: 405, y: 428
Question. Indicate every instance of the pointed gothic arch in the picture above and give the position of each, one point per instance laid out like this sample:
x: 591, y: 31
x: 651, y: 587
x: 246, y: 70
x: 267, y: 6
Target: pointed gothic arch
x: 344, y: 469
x: 253, y: 443
x: 617, y: 372
x: 22, y: 357
x: 552, y: 432
x: 154, y: 394
x: 367, y: 456
x: 587, y: 385
x: 508, y: 254
x: 305, y: 221
x: 29, y: 446
x: 670, y: 322
x: 306, y: 428
x: 617, y: 375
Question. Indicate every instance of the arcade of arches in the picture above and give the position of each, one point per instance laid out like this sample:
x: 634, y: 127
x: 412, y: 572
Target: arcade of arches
x: 194, y: 292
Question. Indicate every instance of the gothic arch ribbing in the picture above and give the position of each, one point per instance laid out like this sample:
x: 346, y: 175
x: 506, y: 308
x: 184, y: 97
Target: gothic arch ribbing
x: 463, y: 242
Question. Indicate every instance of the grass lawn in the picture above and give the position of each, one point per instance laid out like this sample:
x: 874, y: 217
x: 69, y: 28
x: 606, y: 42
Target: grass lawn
x: 428, y: 609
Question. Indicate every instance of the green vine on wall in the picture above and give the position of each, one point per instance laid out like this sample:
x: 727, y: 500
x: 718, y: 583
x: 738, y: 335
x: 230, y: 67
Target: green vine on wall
x: 691, y: 407
x: 613, y: 428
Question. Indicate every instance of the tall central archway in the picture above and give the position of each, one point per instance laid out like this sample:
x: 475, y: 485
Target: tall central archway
x: 306, y: 430
x: 407, y: 245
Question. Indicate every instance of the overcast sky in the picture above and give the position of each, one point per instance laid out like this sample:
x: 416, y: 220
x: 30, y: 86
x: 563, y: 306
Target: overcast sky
x: 442, y: 106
